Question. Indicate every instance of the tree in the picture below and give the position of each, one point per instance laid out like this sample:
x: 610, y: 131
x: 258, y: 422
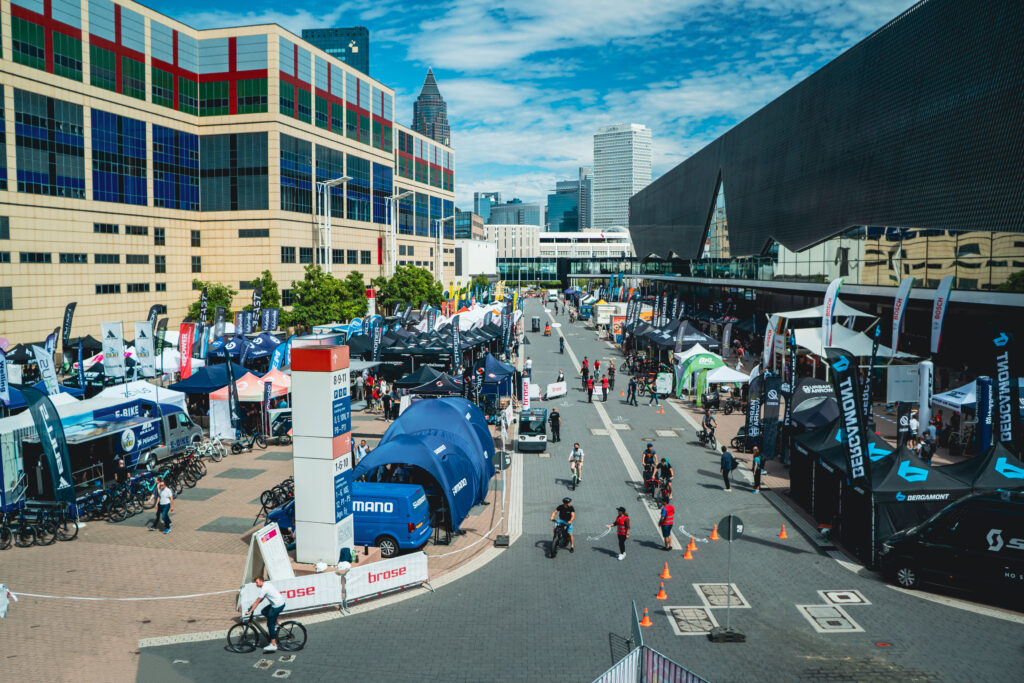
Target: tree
x: 1014, y: 283
x: 271, y: 296
x: 480, y: 281
x: 411, y: 285
x: 217, y: 294
x: 317, y: 299
x: 353, y: 300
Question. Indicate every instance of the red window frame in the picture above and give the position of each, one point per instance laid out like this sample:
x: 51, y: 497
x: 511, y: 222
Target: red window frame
x: 50, y: 25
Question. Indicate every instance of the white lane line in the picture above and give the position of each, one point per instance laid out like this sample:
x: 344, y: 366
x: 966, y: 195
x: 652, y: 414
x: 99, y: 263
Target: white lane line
x: 743, y: 475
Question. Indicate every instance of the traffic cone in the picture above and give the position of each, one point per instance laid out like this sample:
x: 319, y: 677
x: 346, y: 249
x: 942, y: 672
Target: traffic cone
x: 692, y: 546
x: 714, y: 534
x: 664, y: 573
x: 688, y: 555
x: 661, y: 410
x: 621, y: 394
x: 661, y: 593
x: 646, y: 621
x: 782, y: 534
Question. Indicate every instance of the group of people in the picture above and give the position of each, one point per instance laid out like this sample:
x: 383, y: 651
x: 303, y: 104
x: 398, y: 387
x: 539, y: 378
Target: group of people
x: 380, y: 396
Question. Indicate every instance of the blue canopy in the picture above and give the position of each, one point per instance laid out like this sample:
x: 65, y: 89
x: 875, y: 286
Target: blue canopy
x: 498, y: 376
x: 449, y: 465
x: 18, y: 399
x: 263, y: 345
x: 460, y: 422
x: 209, y: 379
x: 233, y: 347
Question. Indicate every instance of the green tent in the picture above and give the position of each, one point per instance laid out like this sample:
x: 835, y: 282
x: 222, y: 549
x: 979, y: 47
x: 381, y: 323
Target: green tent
x: 693, y: 364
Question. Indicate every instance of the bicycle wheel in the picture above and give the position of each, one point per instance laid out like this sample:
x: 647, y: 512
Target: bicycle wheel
x: 118, y: 511
x: 554, y: 544
x: 201, y: 468
x: 291, y: 636
x: 25, y: 536
x: 46, y: 533
x: 67, y: 529
x: 261, y: 441
x: 641, y: 390
x: 216, y: 452
x: 243, y: 638
x: 6, y: 537
x: 236, y: 448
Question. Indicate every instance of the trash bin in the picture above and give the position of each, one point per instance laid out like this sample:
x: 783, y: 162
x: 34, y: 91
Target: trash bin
x: 535, y: 323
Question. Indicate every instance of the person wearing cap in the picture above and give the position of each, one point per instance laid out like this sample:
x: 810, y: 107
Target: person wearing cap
x: 566, y: 515
x: 621, y: 525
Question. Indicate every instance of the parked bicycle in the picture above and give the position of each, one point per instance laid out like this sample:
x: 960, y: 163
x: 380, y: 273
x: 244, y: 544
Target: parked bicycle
x: 248, y: 634
x: 730, y: 404
x: 246, y: 442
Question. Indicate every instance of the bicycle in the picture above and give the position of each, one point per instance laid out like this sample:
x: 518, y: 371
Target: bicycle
x: 706, y: 438
x: 245, y: 636
x: 661, y: 495
x: 575, y: 476
x: 246, y: 441
x: 730, y: 405
x: 67, y: 526
x: 560, y: 537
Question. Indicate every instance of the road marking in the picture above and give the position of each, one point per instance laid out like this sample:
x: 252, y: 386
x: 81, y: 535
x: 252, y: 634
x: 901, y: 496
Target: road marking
x: 596, y: 431
x: 666, y: 433
x: 844, y: 597
x: 717, y: 595
x: 829, y: 619
x: 690, y: 621
x: 621, y: 426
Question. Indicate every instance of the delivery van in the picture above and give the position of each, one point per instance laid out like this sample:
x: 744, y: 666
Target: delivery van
x: 392, y: 517
x: 976, y: 543
x: 533, y: 434
x: 552, y: 295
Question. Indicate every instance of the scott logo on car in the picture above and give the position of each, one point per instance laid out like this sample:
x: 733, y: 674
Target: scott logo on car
x: 996, y: 543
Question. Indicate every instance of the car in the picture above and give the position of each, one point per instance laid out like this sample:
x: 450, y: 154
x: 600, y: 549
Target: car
x: 393, y: 517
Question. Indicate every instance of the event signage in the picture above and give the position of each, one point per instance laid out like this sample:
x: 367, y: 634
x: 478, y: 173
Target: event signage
x: 768, y: 355
x: 185, y: 340
x: 406, y: 312
x: 456, y: 345
x: 844, y: 380
x: 385, y: 575
x: 199, y: 345
x: 65, y: 331
x: 144, y: 349
x: 51, y: 437
x: 5, y: 385
x: 138, y: 438
x: 51, y: 342
x: 299, y: 592
x: 378, y: 331
x: 269, y: 542
x: 234, y: 407
x: 899, y: 309
x: 366, y: 323
x: 754, y: 396
x: 203, y: 306
x: 939, y: 308
x: 268, y: 390
x: 154, y: 311
x: 257, y: 304
x: 870, y: 375
x: 828, y: 311
x: 341, y: 411
x: 238, y: 322
x: 277, y: 357
x: 45, y: 362
x: 113, y: 349
x: 664, y: 308
x: 983, y: 397
x: 219, y: 321
x: 772, y: 393
x: 526, y: 393
x: 81, y: 366
x: 1003, y: 394
x: 726, y: 337
x: 342, y: 488
x: 159, y: 340
x: 269, y: 319
x: 902, y: 423
x: 926, y: 383
x: 248, y: 324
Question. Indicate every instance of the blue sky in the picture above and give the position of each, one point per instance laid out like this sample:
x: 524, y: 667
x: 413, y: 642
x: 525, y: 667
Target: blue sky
x: 528, y: 84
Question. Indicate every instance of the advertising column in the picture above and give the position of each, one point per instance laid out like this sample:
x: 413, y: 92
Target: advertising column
x: 322, y: 452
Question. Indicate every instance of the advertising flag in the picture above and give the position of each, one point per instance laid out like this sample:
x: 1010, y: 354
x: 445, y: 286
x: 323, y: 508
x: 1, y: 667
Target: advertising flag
x: 770, y: 426
x: 866, y: 400
x: 203, y: 303
x: 219, y: 321
x: 234, y: 407
x: 675, y: 308
x: 768, y: 355
x: 899, y: 308
x: 154, y: 311
x: 366, y: 324
x: 160, y: 341
x: 1002, y: 389
x: 81, y: 366
x: 257, y: 305
x: 65, y: 330
x: 851, y: 418
x: 185, y: 339
x: 144, y: 353
x: 265, y: 319
x: 113, y: 349
x: 828, y: 312
x: 983, y: 397
x: 432, y: 319
x: 726, y: 337
x: 406, y: 312
x: 378, y: 332
x: 5, y: 385
x: 456, y: 345
x: 238, y: 323
x: 277, y: 357
x: 268, y: 388
x: 51, y: 342
x: 754, y: 397
x: 51, y: 437
x: 939, y: 309
x: 248, y: 322
x: 903, y: 423
x: 288, y: 351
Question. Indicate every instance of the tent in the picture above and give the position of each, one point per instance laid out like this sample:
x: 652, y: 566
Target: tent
x: 690, y: 336
x: 20, y: 354
x: 815, y: 413
x: 141, y: 389
x: 957, y: 399
x: 694, y: 364
x: 841, y: 310
x: 263, y: 345
x: 996, y: 468
x: 444, y: 385
x: 498, y: 377
x: 692, y: 351
x: 423, y: 375
x: 67, y: 394
x: 857, y: 343
x: 725, y: 375
x: 447, y: 464
x: 233, y: 348
x: 208, y: 379
x: 279, y: 378
x: 250, y: 388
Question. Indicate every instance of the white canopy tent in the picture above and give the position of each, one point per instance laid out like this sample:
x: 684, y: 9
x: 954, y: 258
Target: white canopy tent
x: 841, y: 311
x: 692, y: 351
x: 144, y: 390
x: 857, y: 343
x: 958, y: 399
x: 726, y: 375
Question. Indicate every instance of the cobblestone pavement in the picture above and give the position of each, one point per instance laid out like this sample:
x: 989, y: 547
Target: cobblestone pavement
x: 525, y: 616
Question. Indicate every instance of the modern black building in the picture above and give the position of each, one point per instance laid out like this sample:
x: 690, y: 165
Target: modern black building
x: 351, y: 45
x: 430, y: 112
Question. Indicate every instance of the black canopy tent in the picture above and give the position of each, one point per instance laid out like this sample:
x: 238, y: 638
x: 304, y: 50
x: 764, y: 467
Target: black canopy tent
x: 689, y: 336
x: 422, y: 375
x: 996, y: 468
x: 444, y: 385
x: 815, y: 413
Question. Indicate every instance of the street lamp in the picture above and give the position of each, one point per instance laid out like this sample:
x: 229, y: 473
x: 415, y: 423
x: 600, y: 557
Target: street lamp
x: 324, y: 225
x: 393, y: 229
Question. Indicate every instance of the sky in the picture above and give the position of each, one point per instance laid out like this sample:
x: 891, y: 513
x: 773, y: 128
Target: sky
x: 528, y: 84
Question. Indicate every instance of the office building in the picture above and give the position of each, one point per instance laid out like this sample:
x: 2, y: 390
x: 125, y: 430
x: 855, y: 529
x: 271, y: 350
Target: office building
x: 564, y: 207
x: 475, y: 257
x: 515, y: 240
x: 351, y: 45
x: 515, y: 212
x: 196, y: 157
x: 561, y: 255
x: 586, y: 197
x: 430, y: 113
x: 622, y: 167
x: 469, y: 226
x: 482, y: 203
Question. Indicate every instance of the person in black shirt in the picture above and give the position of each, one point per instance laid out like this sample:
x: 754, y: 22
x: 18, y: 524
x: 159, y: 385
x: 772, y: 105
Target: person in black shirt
x: 120, y: 472
x: 556, y: 425
x: 566, y: 515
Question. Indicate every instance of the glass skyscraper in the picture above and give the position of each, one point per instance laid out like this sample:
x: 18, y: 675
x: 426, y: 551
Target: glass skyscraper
x: 515, y: 212
x: 622, y: 167
x: 482, y: 203
x: 430, y: 113
x: 564, y: 207
x: 351, y: 45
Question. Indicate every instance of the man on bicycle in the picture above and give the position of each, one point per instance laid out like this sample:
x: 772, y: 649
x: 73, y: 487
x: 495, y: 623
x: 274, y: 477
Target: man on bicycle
x: 709, y: 425
x: 566, y: 515
x: 576, y: 461
x: 275, y: 605
x: 649, y: 460
x: 665, y: 473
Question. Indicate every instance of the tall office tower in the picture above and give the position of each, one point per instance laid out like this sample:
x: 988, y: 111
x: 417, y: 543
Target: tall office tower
x: 430, y: 113
x: 586, y: 197
x: 515, y: 212
x: 564, y: 207
x: 483, y: 201
x: 351, y: 45
x: 622, y: 167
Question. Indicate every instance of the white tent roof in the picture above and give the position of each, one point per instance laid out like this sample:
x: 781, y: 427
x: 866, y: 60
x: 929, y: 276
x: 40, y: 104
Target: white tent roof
x: 693, y: 351
x: 143, y: 389
x: 857, y: 343
x: 957, y: 399
x: 842, y: 310
x: 725, y: 374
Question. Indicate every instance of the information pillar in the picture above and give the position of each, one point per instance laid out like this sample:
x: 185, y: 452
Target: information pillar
x: 322, y: 452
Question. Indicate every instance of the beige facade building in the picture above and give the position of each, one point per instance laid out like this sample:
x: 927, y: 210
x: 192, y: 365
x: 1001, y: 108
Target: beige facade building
x: 138, y: 153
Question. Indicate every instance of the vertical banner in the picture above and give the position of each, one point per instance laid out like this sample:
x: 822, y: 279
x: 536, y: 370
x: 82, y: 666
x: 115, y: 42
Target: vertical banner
x: 81, y: 366
x: 406, y: 312
x: 983, y: 396
x: 902, y: 423
x: 664, y: 308
x: 656, y: 313
x: 185, y: 339
x: 673, y: 311
x: 219, y: 321
x: 789, y: 391
x: 939, y: 309
x: 366, y: 323
x: 768, y: 354
x: 277, y: 358
x: 264, y: 320
x: 926, y: 374
x: 526, y: 393
x: 65, y: 330
x: 1002, y: 389
x: 238, y: 322
x: 288, y: 351
x: 257, y: 305
x: 870, y: 377
x: 851, y: 418
x: 828, y: 311
x: 160, y: 341
x: 899, y: 309
x: 51, y: 341
x: 505, y: 315
x: 456, y: 345
x: 5, y: 385
x: 770, y: 428
x: 203, y: 306
x: 268, y: 388
x: 51, y: 437
x: 754, y: 396
x: 199, y: 343
x: 113, y: 349
x: 144, y: 353
x: 248, y: 322
x: 234, y: 407
x: 726, y: 338
x: 154, y: 311
x: 378, y: 331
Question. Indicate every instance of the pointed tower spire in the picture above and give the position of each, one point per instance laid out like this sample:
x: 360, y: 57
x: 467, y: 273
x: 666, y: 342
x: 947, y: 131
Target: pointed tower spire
x: 430, y: 112
x: 430, y: 85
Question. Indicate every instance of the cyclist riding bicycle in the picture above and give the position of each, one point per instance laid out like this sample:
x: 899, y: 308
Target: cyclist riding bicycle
x: 665, y: 471
x: 709, y: 425
x: 566, y: 515
x: 576, y: 461
x: 649, y: 457
x: 275, y: 605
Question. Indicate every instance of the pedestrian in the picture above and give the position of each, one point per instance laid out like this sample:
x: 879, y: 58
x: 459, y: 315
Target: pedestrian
x: 386, y: 402
x: 621, y: 525
x: 590, y: 390
x: 756, y: 466
x: 597, y: 367
x: 739, y: 365
x: 668, y: 513
x: 395, y: 402
x: 561, y: 376
x: 528, y: 367
x: 585, y: 375
x: 165, y: 506
x: 654, y: 395
x: 631, y: 395
x: 611, y: 375
x: 604, y: 389
x: 727, y: 466
x: 361, y: 451
x: 556, y: 425
x: 275, y: 605
x: 357, y: 388
x: 121, y: 475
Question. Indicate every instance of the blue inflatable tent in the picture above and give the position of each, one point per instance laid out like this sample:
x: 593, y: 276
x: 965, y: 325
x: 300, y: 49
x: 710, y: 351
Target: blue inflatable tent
x: 209, y: 379
x: 498, y: 377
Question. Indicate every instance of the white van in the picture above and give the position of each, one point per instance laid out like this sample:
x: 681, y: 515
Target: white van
x: 552, y: 295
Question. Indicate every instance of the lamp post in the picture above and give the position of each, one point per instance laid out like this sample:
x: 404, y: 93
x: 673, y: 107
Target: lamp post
x: 393, y: 227
x: 324, y: 225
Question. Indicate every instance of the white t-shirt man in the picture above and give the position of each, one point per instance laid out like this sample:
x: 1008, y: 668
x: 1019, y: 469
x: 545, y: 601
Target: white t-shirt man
x: 528, y: 364
x: 166, y: 495
x: 914, y: 424
x: 271, y: 594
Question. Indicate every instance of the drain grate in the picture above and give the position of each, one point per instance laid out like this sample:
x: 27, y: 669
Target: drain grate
x: 690, y: 621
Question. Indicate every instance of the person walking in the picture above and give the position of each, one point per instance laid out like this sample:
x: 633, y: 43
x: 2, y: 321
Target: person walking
x: 728, y: 464
x: 756, y: 466
x: 561, y: 376
x: 611, y: 375
x: 585, y: 374
x: 275, y: 605
x: 528, y: 367
x: 357, y: 388
x: 395, y: 401
x: 631, y: 393
x: 556, y: 425
x: 621, y: 525
x: 604, y: 389
x: 386, y: 402
x: 597, y: 367
x: 668, y: 513
x: 164, y: 507
x: 590, y: 389
x: 654, y: 395
x: 360, y: 452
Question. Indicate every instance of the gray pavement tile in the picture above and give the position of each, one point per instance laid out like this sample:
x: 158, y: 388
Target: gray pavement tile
x: 199, y: 493
x: 228, y: 525
x: 275, y: 455
x: 240, y: 473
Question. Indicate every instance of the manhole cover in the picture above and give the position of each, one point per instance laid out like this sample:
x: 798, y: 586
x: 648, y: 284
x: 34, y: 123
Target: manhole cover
x: 829, y: 619
x: 281, y: 673
x: 844, y: 597
x: 718, y: 595
x: 690, y: 621
x: 263, y: 664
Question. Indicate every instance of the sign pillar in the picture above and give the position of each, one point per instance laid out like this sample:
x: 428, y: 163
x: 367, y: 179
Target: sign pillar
x: 322, y: 452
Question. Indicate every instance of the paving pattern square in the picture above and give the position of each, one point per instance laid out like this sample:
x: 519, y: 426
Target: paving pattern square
x: 140, y: 520
x: 621, y: 426
x: 241, y: 473
x: 229, y: 525
x: 829, y: 619
x: 596, y: 431
x: 690, y: 621
x: 199, y: 494
x: 716, y: 595
x: 844, y: 597
x: 666, y: 433
x: 275, y: 455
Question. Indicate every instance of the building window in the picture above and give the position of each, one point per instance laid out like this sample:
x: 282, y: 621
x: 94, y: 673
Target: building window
x: 213, y: 98
x: 28, y: 43
x: 382, y: 187
x: 36, y: 257
x: 401, y: 250
x: 118, y: 159
x: 188, y: 95
x: 136, y: 259
x: 106, y: 258
x: 108, y: 289
x: 338, y: 257
x: 330, y: 164
x: 286, y: 297
x: 305, y: 254
x: 287, y: 254
x: 138, y: 287
x: 136, y: 230
x: 197, y: 239
x: 133, y: 78
x: 422, y: 215
x: 50, y: 142
x: 74, y: 258
x: 160, y: 263
x: 352, y: 257
x: 364, y: 258
x: 410, y: 250
x: 296, y: 174
x: 161, y: 287
x: 252, y: 96
x: 5, y: 257
x: 246, y: 285
x: 175, y: 169
x: 233, y: 172
x: 6, y: 299
x: 5, y: 221
x: 254, y: 232
x: 159, y: 237
x: 106, y: 228
x: 197, y: 264
x: 358, y: 189
x: 287, y: 99
x: 163, y: 87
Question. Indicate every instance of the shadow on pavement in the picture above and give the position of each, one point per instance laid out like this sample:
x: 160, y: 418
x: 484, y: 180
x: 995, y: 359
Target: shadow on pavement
x: 606, y: 551
x: 774, y: 544
x: 618, y: 646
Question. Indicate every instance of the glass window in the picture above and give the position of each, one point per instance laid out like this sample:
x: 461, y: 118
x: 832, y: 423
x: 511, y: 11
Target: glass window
x: 138, y: 287
x: 159, y: 238
x: 175, y: 169
x: 197, y: 238
x: 304, y: 105
x: 28, y: 43
x: 352, y: 257
x: 50, y: 143
x: 161, y: 286
x: 382, y: 188
x: 233, y: 174
x: 364, y: 258
x: 133, y: 80
x: 6, y: 299
x: 136, y: 259
x: 106, y: 258
x: 358, y: 189
x: 330, y: 164
x: 197, y: 264
x: 287, y: 99
x: 188, y: 95
x: 338, y: 257
x: 108, y: 289
x: 74, y: 258
x: 252, y: 96
x: 296, y: 174
x: 287, y: 254
x: 249, y: 233
x: 36, y: 257
x: 106, y: 228
x: 163, y: 87
x: 305, y: 254
x: 287, y: 299
x: 102, y: 68
x: 67, y: 56
x: 136, y: 230
x: 160, y: 263
x: 118, y: 159
x: 213, y: 98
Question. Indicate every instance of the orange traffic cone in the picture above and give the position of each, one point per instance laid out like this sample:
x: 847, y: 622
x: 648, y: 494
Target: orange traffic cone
x: 692, y: 546
x: 782, y: 534
x: 646, y: 621
x: 664, y: 573
x: 661, y: 411
x: 661, y: 593
x: 622, y: 393
x: 688, y: 555
x: 714, y: 534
